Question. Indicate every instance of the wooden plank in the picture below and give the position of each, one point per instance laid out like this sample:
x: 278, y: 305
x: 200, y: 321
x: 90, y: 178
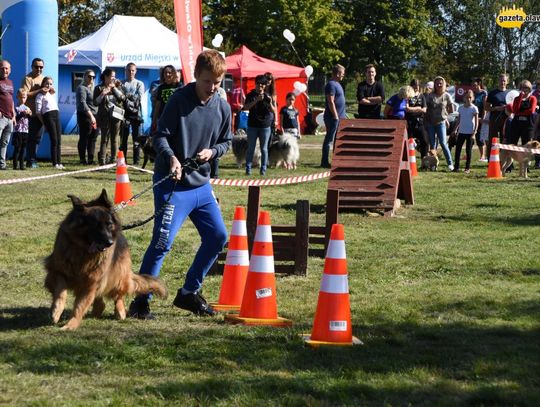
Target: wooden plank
x: 317, y: 253
x: 254, y: 203
x: 283, y: 229
x: 301, y: 245
x: 317, y: 230
x: 284, y: 268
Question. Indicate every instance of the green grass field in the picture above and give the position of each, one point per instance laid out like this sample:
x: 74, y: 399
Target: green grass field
x: 445, y: 297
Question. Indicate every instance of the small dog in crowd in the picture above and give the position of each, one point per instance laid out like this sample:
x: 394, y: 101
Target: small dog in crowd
x: 240, y: 146
x: 522, y: 157
x: 430, y: 161
x: 149, y: 154
x: 284, y: 151
x: 91, y: 258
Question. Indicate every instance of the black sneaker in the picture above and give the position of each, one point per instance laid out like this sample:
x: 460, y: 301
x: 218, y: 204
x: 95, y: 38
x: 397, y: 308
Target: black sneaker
x: 193, y: 302
x: 140, y: 309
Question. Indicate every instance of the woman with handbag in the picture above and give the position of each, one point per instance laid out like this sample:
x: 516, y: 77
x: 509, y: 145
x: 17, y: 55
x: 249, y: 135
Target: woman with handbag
x: 109, y: 98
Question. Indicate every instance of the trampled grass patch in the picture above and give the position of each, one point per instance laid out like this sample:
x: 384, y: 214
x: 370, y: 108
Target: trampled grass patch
x: 444, y: 296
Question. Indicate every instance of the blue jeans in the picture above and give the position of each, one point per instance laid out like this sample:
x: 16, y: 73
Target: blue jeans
x: 199, y: 203
x: 6, y: 128
x: 263, y: 134
x: 331, y: 130
x: 439, y: 130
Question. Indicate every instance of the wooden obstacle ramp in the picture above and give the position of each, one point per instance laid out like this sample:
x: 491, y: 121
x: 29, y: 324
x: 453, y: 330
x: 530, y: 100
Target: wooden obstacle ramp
x: 370, y: 166
x: 293, y: 244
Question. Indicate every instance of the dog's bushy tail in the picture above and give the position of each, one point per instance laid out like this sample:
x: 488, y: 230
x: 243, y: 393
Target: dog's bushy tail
x: 144, y: 284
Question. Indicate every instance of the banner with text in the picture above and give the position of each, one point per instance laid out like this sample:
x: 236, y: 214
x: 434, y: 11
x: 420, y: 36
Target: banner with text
x: 188, y: 16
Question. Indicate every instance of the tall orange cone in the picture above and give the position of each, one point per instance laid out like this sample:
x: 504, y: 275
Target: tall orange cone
x: 494, y: 166
x: 236, y: 265
x: 332, y: 324
x: 123, y: 188
x: 259, y: 304
x: 412, y: 158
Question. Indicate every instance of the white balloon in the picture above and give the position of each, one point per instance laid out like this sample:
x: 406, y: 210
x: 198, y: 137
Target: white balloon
x: 289, y: 36
x: 320, y: 119
x: 510, y: 96
x: 296, y: 92
x: 300, y: 87
x: 216, y: 42
x: 308, y: 70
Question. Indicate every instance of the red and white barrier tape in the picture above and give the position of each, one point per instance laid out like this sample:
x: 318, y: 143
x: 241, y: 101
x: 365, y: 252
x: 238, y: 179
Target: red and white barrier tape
x: 259, y: 182
x: 219, y: 181
x: 512, y: 147
x: 60, y: 174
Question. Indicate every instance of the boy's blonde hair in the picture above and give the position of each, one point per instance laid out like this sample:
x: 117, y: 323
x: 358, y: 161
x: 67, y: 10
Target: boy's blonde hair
x: 406, y: 92
x: 21, y: 92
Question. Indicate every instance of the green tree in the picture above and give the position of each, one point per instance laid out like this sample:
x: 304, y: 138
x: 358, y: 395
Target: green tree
x: 391, y: 34
x: 259, y: 25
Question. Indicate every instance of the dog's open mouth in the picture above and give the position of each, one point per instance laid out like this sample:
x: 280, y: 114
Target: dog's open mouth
x: 98, y: 247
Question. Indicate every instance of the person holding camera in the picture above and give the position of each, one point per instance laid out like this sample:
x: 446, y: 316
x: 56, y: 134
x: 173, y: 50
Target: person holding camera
x: 134, y: 91
x: 260, y: 119
x: 86, y: 112
x: 109, y: 98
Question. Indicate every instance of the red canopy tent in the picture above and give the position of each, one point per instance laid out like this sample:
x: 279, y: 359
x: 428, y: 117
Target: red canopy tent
x: 244, y: 65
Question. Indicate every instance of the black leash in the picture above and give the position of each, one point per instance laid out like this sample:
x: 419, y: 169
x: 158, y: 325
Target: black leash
x: 190, y: 163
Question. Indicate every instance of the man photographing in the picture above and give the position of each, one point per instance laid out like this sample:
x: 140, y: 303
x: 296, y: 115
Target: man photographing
x: 195, y: 126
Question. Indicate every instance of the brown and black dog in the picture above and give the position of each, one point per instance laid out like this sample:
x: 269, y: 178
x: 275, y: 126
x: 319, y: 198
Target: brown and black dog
x: 91, y: 258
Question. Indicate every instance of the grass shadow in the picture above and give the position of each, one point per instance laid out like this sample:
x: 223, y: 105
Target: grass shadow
x: 24, y: 318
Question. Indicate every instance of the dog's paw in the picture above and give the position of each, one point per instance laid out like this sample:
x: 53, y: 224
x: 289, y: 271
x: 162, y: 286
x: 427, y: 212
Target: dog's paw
x: 55, y: 315
x: 71, y: 325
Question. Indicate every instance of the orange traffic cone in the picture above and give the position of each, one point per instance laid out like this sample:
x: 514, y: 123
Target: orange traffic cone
x: 332, y: 325
x: 259, y: 304
x: 236, y: 265
x: 412, y: 158
x: 123, y: 188
x: 494, y: 166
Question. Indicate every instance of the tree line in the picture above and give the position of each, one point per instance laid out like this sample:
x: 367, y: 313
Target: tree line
x: 404, y: 38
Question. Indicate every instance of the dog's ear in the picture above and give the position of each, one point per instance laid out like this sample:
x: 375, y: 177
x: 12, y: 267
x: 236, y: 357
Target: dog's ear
x: 104, y: 199
x: 77, y: 203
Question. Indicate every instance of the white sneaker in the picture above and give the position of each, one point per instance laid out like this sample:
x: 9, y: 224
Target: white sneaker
x: 59, y: 167
x: 450, y: 167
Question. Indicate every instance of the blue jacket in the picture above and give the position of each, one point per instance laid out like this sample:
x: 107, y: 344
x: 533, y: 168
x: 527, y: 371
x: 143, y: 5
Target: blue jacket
x: 188, y: 126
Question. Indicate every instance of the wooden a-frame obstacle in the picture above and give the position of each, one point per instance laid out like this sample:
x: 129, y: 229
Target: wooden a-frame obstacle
x: 370, y: 166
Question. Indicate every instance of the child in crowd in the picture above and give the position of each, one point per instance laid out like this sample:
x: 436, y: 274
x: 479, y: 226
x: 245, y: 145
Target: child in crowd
x: 289, y: 117
x: 47, y: 111
x: 20, y: 132
x: 466, y: 128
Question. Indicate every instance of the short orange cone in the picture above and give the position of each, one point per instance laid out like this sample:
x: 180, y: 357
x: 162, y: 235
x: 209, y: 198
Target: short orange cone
x: 494, y: 166
x: 332, y: 324
x: 236, y: 265
x: 412, y: 158
x: 123, y: 188
x: 259, y: 304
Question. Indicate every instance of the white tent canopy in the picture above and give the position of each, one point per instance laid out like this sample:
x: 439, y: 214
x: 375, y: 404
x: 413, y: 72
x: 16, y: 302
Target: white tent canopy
x: 123, y: 39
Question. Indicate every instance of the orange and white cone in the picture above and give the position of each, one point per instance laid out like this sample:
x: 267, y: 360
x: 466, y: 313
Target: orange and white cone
x: 122, y: 192
x: 236, y: 265
x: 259, y: 303
x: 494, y: 166
x: 332, y: 324
x: 412, y: 158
